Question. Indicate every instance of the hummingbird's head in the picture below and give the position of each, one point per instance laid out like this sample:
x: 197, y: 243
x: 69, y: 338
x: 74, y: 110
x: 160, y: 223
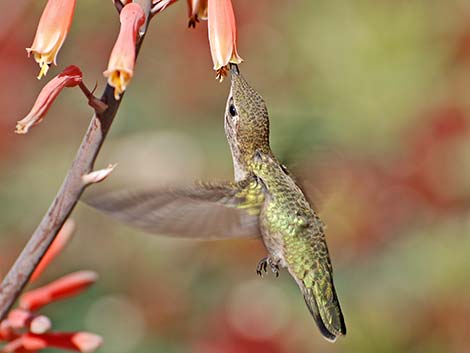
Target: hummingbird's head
x: 246, y: 124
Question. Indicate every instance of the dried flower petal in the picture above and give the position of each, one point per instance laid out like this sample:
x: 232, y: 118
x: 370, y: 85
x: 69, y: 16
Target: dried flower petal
x: 70, y: 77
x: 52, y: 30
x: 98, y: 175
x: 222, y: 36
x: 62, y: 288
x: 121, y: 62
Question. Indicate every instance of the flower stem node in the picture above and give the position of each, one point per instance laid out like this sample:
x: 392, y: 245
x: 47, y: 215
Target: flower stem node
x: 97, y: 104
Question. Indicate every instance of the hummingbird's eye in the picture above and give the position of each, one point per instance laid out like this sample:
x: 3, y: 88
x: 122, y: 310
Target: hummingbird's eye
x: 232, y: 110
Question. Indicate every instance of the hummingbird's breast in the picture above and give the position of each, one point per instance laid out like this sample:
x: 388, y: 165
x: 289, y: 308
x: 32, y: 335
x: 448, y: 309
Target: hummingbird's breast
x: 292, y: 232
x: 282, y: 220
x: 272, y: 236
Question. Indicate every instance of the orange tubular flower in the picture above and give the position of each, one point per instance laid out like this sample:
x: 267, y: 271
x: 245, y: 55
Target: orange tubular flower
x: 52, y: 29
x: 222, y: 36
x: 26, y: 331
x: 70, y: 77
x: 59, y: 243
x: 121, y: 62
x: 75, y: 341
x: 64, y: 287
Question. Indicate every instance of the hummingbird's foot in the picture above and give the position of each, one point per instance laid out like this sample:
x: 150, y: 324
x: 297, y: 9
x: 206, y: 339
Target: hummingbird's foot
x: 274, y: 269
x: 263, y: 266
x: 192, y: 21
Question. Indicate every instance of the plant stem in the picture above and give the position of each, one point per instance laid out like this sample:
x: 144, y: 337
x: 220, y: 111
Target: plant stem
x: 64, y: 202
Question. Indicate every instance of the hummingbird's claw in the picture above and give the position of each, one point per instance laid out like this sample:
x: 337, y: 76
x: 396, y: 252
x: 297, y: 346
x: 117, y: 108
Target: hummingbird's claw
x: 263, y: 266
x: 274, y: 268
x: 192, y: 21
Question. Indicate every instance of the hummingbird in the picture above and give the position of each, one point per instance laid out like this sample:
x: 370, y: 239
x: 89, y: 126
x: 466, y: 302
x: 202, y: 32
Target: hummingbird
x: 264, y: 200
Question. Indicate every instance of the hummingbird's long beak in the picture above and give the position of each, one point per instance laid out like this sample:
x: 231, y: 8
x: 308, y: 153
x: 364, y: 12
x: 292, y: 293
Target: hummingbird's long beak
x: 234, y: 69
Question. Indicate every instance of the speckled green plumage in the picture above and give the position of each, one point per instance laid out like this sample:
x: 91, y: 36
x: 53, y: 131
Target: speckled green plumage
x: 292, y: 232
x: 295, y: 237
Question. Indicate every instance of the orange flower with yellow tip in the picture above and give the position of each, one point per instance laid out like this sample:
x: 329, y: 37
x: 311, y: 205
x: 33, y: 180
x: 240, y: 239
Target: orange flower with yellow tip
x: 222, y: 36
x: 121, y: 62
x: 52, y: 30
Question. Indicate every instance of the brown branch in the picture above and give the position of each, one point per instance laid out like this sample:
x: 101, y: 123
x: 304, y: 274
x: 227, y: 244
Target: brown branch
x: 64, y: 202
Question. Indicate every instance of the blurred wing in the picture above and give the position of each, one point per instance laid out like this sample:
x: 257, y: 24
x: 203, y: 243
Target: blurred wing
x: 206, y: 211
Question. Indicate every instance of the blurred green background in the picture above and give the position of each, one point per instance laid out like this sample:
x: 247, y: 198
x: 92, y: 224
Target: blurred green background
x: 370, y: 103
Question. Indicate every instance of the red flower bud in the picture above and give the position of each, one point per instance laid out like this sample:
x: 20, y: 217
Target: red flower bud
x: 55, y: 249
x: 76, y: 341
x: 62, y: 288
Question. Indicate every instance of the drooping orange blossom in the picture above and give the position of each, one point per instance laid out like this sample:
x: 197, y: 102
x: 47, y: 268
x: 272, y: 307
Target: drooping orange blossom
x: 222, y: 29
x: 122, y: 59
x: 222, y: 36
x: 52, y: 30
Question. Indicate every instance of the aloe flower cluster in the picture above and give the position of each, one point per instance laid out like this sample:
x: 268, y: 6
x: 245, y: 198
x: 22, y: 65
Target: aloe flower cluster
x: 26, y: 330
x: 56, y: 21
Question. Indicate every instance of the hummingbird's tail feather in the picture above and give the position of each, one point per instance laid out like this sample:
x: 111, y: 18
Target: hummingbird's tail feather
x: 323, y: 304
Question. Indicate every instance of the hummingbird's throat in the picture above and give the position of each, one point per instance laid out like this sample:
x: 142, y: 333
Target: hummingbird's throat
x: 243, y: 159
